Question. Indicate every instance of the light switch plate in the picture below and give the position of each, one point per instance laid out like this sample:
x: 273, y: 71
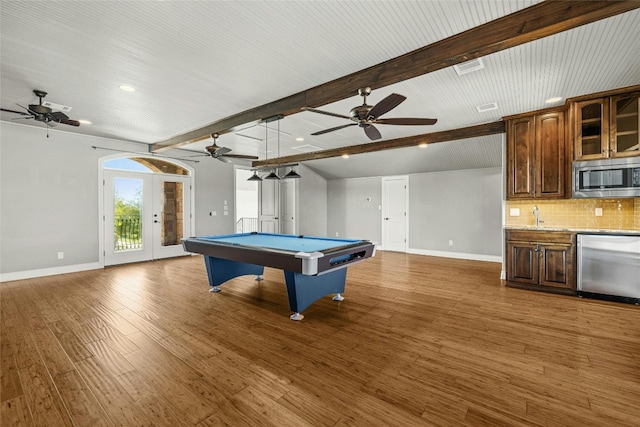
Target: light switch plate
x: 514, y: 212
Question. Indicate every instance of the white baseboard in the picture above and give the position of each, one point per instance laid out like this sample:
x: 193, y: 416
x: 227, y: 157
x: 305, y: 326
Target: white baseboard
x: 30, y: 274
x: 459, y: 255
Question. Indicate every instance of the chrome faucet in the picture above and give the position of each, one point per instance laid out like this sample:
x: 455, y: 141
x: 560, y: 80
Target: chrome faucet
x: 536, y: 213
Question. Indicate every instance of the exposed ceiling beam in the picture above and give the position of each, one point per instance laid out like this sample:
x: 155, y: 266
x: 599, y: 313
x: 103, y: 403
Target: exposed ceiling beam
x: 535, y: 22
x: 409, y: 141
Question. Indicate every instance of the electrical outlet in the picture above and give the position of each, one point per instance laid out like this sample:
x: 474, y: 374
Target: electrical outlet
x: 60, y: 255
x: 514, y: 211
x: 337, y: 234
x: 598, y: 211
x: 450, y: 242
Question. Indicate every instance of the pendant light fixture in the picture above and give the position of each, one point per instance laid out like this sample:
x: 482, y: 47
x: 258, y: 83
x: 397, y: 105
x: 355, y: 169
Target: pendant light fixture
x: 273, y: 175
x: 292, y: 174
x: 254, y: 177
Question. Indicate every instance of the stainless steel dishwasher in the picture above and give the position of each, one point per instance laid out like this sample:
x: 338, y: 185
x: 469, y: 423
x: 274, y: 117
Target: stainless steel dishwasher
x: 609, y: 266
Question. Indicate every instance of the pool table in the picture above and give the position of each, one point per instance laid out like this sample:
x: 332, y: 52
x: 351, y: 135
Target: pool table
x: 313, y: 266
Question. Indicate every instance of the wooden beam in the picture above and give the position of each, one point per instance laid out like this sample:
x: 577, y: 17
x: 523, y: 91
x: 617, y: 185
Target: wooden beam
x: 409, y: 141
x: 535, y: 22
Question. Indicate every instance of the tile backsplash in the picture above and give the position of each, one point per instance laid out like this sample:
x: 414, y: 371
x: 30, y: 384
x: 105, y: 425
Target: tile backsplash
x: 617, y: 214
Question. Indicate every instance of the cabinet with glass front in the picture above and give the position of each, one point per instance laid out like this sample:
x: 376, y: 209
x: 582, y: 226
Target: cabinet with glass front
x: 607, y: 127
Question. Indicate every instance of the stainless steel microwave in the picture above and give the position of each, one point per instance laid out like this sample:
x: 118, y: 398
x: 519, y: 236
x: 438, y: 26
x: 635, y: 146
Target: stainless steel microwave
x: 609, y: 178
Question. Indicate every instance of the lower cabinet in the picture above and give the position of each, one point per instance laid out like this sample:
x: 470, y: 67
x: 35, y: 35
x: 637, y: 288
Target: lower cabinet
x: 541, y: 260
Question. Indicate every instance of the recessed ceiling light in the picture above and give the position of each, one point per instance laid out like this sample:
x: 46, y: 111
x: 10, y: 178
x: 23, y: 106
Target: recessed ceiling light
x: 299, y: 139
x: 423, y: 145
x: 127, y: 88
x: 345, y: 156
x: 85, y: 122
x: 553, y: 100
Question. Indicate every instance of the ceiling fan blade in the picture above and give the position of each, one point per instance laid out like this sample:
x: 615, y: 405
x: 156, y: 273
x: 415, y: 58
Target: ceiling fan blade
x: 326, y: 113
x: 406, y: 121
x: 14, y: 111
x: 332, y: 129
x: 223, y: 159
x: 241, y: 156
x: 70, y: 122
x: 372, y: 132
x: 387, y: 104
x: 58, y: 116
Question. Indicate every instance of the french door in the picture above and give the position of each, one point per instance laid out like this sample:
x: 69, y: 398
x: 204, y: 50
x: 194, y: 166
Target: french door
x: 145, y: 216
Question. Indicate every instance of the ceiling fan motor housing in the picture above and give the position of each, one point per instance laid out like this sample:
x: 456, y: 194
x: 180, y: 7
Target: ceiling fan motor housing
x: 360, y: 113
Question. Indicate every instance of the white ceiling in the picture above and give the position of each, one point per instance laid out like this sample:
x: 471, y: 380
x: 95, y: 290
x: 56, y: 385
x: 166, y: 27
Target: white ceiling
x: 194, y: 62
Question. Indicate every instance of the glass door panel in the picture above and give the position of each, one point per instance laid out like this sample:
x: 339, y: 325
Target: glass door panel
x: 127, y: 217
x: 591, y: 132
x: 171, y: 215
x: 625, y: 125
x: 127, y: 214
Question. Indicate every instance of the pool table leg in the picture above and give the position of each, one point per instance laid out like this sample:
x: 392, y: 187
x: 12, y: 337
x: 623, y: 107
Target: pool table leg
x: 296, y: 316
x: 338, y: 297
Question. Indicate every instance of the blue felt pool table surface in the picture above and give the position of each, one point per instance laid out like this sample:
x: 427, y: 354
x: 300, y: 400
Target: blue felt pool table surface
x: 282, y: 242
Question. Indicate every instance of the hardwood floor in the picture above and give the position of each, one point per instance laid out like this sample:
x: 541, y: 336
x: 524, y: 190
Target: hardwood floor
x: 417, y: 341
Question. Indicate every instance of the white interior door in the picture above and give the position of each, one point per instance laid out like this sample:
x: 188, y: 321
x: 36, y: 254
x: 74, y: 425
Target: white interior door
x: 269, y: 206
x: 394, y: 213
x: 288, y: 207
x: 145, y: 216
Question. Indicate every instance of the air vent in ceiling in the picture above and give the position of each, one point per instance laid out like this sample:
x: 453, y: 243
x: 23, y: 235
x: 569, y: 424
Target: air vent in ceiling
x: 306, y: 148
x: 56, y: 107
x: 487, y: 107
x: 469, y: 66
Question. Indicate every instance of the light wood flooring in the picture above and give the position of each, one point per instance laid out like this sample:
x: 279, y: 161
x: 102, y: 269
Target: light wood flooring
x: 417, y: 341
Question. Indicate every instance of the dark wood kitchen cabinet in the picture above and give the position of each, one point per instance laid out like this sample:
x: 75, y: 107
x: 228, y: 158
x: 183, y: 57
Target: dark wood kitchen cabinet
x: 607, y: 126
x: 541, y: 260
x: 538, y: 158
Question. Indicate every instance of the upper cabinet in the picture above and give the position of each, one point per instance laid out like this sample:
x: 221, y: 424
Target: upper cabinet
x: 537, y: 156
x: 607, y: 127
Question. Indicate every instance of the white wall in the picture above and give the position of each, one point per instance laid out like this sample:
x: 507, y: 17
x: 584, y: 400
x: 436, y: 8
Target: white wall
x: 463, y: 206
x: 349, y: 214
x: 49, y: 198
x: 312, y: 203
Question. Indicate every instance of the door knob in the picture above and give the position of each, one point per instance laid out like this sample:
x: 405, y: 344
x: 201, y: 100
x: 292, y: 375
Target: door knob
x: 156, y: 221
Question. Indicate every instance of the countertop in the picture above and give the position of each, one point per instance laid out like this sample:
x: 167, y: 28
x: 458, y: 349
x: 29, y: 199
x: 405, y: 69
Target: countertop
x: 574, y: 230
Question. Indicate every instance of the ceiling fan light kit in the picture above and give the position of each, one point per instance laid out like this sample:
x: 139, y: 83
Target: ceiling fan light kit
x: 365, y: 115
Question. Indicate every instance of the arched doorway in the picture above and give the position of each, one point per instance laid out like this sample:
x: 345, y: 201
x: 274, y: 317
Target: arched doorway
x: 146, y: 208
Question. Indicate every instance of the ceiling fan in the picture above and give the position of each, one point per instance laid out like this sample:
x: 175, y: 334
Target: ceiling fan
x: 221, y: 153
x: 366, y: 115
x: 43, y: 113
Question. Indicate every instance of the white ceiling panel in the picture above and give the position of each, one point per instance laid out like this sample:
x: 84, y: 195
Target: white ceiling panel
x: 193, y: 63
